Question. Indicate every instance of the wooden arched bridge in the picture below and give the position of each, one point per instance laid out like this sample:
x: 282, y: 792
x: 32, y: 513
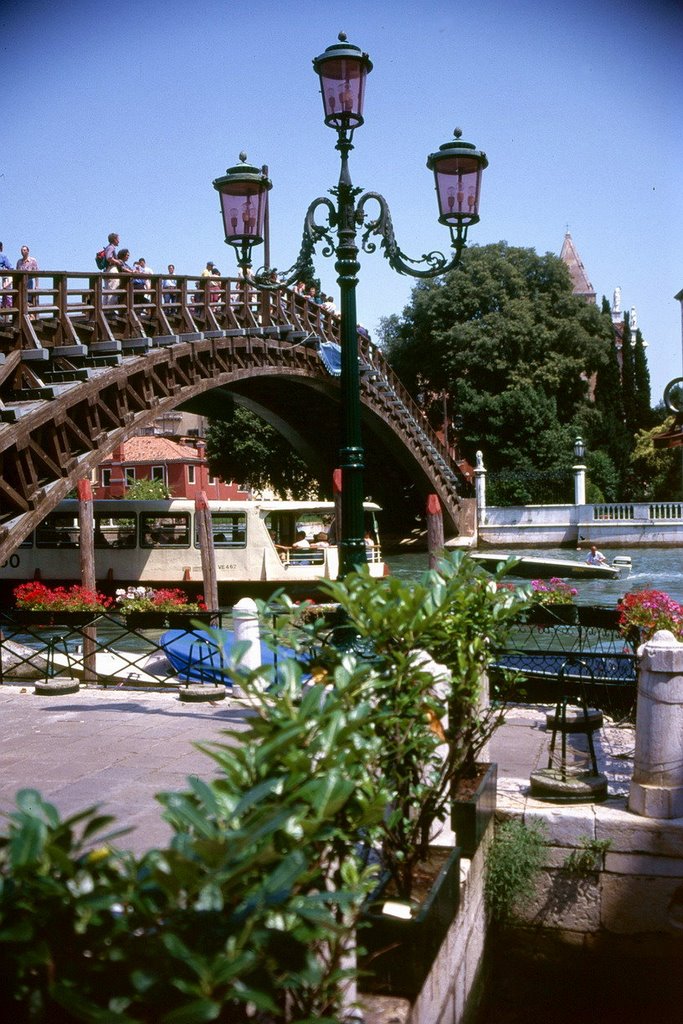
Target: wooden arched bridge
x: 88, y: 359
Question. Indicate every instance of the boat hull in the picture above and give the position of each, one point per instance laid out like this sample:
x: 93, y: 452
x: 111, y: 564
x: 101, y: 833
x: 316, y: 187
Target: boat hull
x: 531, y: 568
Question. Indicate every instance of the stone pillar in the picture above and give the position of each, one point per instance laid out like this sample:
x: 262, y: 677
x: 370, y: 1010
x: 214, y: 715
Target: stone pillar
x: 247, y: 630
x: 480, y: 488
x: 657, y: 784
x: 579, y: 484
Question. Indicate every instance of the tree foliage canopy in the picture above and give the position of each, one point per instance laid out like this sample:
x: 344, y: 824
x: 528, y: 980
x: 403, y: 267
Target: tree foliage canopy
x: 247, y: 449
x: 514, y: 350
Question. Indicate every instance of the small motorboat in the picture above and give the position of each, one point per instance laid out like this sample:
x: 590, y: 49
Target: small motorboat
x: 532, y: 567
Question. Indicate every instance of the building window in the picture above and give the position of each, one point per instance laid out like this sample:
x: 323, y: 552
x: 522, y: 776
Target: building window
x: 158, y: 473
x: 212, y: 481
x: 130, y: 475
x: 106, y: 477
x: 190, y: 475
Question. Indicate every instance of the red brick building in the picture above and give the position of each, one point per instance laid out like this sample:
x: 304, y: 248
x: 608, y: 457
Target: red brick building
x: 181, y: 466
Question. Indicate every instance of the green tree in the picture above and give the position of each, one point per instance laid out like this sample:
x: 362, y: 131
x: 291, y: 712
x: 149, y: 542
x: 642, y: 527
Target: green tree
x: 608, y: 432
x: 514, y: 349
x: 148, y: 490
x: 246, y: 448
x: 641, y: 384
x: 628, y: 384
x: 656, y: 471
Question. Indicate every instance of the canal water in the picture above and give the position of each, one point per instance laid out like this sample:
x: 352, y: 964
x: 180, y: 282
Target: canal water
x: 652, y: 569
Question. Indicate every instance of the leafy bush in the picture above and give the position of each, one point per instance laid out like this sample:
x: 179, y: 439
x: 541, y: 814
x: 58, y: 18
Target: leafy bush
x: 511, y: 867
x: 246, y: 916
x: 430, y: 717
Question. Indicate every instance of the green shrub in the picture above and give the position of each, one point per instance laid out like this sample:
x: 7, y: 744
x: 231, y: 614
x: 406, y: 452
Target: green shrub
x: 251, y: 907
x: 457, y: 616
x: 513, y: 861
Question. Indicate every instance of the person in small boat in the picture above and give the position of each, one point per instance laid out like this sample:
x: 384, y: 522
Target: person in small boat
x: 595, y: 557
x: 302, y: 540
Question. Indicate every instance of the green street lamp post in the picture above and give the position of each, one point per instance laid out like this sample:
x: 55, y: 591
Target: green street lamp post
x: 457, y: 166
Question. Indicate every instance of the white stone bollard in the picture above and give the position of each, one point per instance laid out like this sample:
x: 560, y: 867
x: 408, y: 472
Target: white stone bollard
x: 657, y: 785
x: 247, y: 629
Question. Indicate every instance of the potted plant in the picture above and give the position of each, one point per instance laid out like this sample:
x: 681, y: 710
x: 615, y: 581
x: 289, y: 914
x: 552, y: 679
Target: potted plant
x: 552, y: 602
x: 144, y: 607
x: 41, y: 605
x: 428, y: 644
x: 643, y: 612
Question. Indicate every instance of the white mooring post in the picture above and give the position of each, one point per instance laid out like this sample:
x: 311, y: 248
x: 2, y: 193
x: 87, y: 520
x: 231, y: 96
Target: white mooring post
x: 657, y: 784
x: 247, y: 629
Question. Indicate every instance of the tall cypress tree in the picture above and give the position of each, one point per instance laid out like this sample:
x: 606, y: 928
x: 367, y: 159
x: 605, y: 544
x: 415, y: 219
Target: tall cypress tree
x: 610, y: 434
x: 628, y: 379
x: 641, y: 385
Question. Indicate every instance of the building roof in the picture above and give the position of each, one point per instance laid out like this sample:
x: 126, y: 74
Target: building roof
x: 157, y: 449
x: 581, y: 284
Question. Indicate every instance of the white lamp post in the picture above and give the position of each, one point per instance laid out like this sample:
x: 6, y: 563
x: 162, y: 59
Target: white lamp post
x: 579, y: 472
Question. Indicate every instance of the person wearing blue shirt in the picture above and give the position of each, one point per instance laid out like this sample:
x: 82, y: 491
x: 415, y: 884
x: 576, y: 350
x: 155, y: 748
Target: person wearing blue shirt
x: 5, y: 283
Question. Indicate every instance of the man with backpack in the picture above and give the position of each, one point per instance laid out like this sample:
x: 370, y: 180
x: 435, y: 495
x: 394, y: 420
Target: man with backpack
x: 108, y: 261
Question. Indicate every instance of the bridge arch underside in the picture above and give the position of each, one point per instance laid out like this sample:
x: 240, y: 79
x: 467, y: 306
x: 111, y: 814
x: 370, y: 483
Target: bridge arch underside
x: 65, y: 440
x: 308, y: 414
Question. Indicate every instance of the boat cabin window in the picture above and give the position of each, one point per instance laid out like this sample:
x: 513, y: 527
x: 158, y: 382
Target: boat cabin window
x: 114, y: 531
x: 171, y: 530
x: 59, y: 530
x: 229, y: 530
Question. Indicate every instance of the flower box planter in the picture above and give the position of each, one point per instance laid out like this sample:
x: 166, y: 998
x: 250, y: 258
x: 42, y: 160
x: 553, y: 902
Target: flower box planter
x: 552, y: 614
x: 473, y: 806
x: 167, y: 620
x: 398, y: 953
x: 599, y: 618
x: 32, y: 617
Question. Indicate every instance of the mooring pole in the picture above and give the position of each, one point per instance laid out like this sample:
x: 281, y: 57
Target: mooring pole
x: 435, y: 536
x: 207, y: 550
x: 88, y: 580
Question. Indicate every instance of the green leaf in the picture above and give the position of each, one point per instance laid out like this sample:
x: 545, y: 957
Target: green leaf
x: 27, y: 843
x: 193, y: 1013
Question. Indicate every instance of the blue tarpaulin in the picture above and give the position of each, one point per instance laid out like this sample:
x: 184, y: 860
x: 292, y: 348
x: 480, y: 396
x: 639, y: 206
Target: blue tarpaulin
x: 330, y: 353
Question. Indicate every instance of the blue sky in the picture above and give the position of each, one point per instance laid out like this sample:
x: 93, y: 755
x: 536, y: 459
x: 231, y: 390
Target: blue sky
x: 119, y: 118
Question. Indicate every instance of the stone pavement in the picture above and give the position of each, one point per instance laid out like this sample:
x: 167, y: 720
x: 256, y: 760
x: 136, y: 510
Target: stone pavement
x: 118, y: 748
x: 112, y: 747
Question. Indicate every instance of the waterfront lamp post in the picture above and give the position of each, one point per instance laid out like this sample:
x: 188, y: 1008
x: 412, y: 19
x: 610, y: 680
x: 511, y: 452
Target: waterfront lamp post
x: 579, y: 472
x: 457, y: 166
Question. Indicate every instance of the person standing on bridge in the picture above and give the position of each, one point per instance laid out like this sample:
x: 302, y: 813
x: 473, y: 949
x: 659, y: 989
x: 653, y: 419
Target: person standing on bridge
x: 113, y: 264
x: 5, y: 282
x: 28, y: 262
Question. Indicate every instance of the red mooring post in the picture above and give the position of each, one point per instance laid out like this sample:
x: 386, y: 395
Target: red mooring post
x: 337, y: 494
x: 435, y: 538
x: 87, y: 557
x: 207, y: 550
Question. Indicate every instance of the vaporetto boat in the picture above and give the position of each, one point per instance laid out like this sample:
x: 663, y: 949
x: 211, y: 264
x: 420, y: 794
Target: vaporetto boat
x: 156, y: 543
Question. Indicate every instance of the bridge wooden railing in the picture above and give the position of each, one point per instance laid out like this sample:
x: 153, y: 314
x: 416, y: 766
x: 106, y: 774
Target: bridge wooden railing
x: 61, y: 330
x: 46, y: 308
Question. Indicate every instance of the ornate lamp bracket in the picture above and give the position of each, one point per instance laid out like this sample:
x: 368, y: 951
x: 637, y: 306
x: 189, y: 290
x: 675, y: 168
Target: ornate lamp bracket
x: 268, y: 278
x: 436, y: 262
